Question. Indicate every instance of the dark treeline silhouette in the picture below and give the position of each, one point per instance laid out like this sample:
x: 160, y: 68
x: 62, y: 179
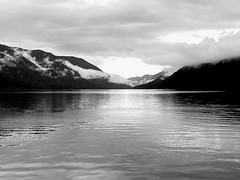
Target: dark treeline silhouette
x: 222, y: 75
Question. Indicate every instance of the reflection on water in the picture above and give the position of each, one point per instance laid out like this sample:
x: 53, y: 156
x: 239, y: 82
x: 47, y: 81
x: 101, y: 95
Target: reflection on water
x: 119, y: 134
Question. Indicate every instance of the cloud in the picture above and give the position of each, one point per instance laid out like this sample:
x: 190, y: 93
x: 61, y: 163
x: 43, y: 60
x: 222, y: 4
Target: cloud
x: 86, y: 73
x: 118, y: 79
x: 101, y: 29
x: 93, y: 74
x: 208, y: 50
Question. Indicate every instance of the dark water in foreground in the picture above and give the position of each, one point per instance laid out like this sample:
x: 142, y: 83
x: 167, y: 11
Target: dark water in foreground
x: 119, y: 134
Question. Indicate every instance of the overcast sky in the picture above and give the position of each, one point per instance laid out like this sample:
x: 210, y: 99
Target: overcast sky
x: 126, y: 37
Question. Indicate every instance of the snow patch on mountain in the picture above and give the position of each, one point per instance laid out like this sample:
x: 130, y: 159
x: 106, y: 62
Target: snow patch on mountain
x: 47, y: 61
x: 6, y: 60
x: 136, y: 81
x: 143, y: 81
x: 27, y: 55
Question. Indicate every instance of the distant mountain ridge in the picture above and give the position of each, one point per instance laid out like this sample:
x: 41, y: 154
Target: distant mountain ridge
x: 222, y: 75
x: 37, y: 69
x: 22, y: 69
x: 136, y: 81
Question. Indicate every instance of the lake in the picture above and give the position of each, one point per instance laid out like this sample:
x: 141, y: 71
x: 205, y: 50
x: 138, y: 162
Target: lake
x: 119, y: 134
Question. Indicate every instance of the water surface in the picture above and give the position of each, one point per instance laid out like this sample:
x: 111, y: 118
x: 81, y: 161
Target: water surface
x: 119, y: 134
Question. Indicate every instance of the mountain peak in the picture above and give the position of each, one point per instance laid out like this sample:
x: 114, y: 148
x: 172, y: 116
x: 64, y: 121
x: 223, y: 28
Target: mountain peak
x: 136, y: 81
x: 37, y: 69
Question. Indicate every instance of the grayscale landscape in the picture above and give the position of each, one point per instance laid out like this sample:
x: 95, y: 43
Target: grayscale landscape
x: 119, y: 89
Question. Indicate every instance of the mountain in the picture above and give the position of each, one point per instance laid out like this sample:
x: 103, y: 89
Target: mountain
x: 37, y: 69
x: 222, y: 75
x: 153, y: 84
x: 136, y: 81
